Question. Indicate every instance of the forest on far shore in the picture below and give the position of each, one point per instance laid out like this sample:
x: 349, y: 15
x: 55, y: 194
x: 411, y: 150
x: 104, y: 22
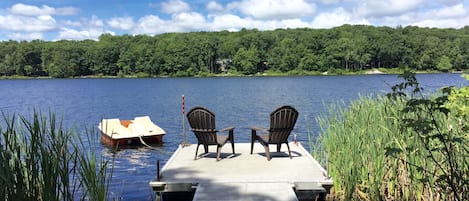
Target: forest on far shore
x: 348, y: 48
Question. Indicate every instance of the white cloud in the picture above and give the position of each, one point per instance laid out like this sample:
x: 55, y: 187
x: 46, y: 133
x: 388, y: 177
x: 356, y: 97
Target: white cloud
x: 174, y: 6
x: 72, y: 34
x: 402, y: 20
x: 274, y: 9
x: 181, y: 22
x: 228, y: 22
x: 189, y: 21
x: 40, y: 23
x: 28, y: 10
x: 442, y: 23
x: 27, y: 22
x: 95, y: 21
x: 72, y: 23
x: 123, y: 23
x: 450, y: 12
x: 452, y: 16
x: 86, y: 28
x: 184, y: 22
x: 25, y: 36
x: 151, y: 25
x: 214, y: 6
x: 235, y: 23
x: 330, y: 1
x: 335, y: 18
x: 451, y: 2
x: 23, y: 9
x: 232, y: 22
x: 382, y: 8
x: 293, y: 23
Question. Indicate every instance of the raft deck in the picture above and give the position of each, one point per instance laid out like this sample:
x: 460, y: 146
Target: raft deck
x: 242, y: 176
x: 140, y: 130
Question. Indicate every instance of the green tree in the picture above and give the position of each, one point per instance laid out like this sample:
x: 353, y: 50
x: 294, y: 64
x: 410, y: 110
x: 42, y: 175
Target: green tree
x: 246, y: 60
x: 26, y: 53
x: 7, y: 65
x: 103, y: 56
x: 344, y: 48
x: 444, y: 64
x: 64, y: 59
x: 286, y: 55
x: 310, y: 62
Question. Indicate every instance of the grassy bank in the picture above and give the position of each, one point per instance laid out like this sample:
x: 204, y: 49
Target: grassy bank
x: 380, y: 148
x: 41, y: 160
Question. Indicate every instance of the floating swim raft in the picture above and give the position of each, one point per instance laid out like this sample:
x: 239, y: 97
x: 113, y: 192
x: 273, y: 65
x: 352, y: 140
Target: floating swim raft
x: 140, y: 130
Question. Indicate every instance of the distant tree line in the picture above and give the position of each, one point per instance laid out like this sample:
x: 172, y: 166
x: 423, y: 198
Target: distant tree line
x: 344, y: 48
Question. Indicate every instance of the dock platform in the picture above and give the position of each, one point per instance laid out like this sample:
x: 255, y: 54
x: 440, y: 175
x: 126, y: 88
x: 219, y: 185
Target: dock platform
x: 242, y: 176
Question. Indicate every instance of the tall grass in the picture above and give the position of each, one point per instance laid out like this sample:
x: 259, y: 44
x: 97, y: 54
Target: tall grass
x: 42, y: 160
x: 356, y: 139
x: 360, y: 138
x: 95, y: 173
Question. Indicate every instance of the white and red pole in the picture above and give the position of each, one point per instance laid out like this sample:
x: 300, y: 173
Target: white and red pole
x: 183, y: 122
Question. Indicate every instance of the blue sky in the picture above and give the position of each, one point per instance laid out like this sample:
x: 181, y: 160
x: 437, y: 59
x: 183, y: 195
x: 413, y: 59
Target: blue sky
x: 52, y: 20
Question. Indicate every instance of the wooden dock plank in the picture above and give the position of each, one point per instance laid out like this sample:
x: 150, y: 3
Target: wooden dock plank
x: 245, y: 192
x: 242, y: 171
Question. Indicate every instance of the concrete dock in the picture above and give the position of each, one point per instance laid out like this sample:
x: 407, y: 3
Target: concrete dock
x: 242, y: 176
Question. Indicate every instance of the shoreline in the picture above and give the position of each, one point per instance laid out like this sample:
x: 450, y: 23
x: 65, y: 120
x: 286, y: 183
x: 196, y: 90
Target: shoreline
x: 374, y: 71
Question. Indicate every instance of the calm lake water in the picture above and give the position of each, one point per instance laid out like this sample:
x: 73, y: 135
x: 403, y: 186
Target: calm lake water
x: 241, y: 102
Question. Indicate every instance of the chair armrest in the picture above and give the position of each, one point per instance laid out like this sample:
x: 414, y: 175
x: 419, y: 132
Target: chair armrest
x: 254, y: 133
x: 230, y: 135
x: 260, y: 129
x: 227, y: 129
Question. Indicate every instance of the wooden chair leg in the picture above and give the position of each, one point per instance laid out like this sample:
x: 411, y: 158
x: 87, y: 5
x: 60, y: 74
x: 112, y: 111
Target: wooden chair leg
x: 218, y: 152
x: 252, y: 146
x: 253, y: 139
x: 289, y: 152
x: 279, y: 146
x: 267, y: 152
x: 232, y: 147
x: 232, y: 141
x: 206, y: 148
x: 196, y: 150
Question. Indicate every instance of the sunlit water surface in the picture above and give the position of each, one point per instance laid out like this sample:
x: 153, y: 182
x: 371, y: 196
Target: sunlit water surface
x: 241, y: 102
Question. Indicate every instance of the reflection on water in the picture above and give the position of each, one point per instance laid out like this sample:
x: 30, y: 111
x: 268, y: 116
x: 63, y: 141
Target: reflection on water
x: 132, y: 167
x: 240, y: 102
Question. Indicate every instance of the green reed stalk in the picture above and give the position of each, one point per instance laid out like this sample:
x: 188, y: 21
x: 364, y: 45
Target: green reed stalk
x: 41, y: 160
x: 94, y: 173
x: 355, y: 138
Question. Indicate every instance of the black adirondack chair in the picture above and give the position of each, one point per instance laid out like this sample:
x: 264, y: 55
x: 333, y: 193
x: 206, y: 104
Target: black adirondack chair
x: 282, y: 122
x: 202, y: 123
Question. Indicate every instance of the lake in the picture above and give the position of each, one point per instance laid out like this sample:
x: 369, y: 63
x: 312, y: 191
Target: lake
x: 241, y: 102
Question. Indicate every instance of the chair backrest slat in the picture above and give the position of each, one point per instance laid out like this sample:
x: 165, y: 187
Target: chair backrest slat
x: 282, y: 122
